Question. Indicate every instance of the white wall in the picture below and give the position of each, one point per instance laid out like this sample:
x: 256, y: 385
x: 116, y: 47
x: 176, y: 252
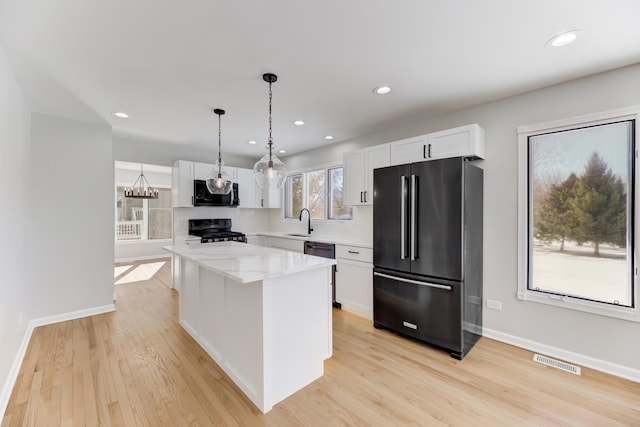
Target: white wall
x: 16, y: 291
x: 163, y: 153
x: 71, y: 253
x: 243, y: 220
x: 611, y: 344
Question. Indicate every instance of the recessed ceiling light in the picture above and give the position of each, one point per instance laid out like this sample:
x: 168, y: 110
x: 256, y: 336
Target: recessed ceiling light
x: 298, y: 122
x: 563, y: 38
x: 120, y: 114
x: 382, y: 90
x: 328, y: 137
x: 252, y: 142
x: 282, y: 151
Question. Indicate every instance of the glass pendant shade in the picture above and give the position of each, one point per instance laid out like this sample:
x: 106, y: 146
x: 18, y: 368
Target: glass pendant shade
x: 269, y: 172
x: 218, y: 181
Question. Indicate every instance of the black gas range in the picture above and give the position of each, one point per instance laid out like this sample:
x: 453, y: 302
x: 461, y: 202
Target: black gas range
x: 215, y: 230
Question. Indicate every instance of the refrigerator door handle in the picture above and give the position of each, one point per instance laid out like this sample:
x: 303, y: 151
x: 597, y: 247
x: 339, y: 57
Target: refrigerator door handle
x: 415, y: 282
x: 403, y: 229
x: 413, y: 218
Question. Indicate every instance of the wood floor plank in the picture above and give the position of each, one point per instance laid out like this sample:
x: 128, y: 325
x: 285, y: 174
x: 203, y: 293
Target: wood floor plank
x: 138, y: 367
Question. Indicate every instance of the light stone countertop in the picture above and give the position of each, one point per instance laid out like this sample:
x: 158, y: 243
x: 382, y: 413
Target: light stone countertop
x: 246, y: 263
x: 325, y: 238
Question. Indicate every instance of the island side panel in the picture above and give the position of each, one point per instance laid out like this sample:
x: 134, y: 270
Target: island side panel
x: 211, y: 318
x: 189, y: 296
x: 297, y: 331
x: 243, y: 339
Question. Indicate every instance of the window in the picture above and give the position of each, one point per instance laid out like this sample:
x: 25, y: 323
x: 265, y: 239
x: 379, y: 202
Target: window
x: 576, y: 214
x: 142, y: 219
x: 321, y: 191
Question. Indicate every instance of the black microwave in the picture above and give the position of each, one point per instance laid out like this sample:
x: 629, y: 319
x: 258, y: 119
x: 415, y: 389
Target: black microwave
x: 202, y: 197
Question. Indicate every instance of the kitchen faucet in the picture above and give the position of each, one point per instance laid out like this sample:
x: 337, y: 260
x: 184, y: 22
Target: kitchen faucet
x: 309, y: 229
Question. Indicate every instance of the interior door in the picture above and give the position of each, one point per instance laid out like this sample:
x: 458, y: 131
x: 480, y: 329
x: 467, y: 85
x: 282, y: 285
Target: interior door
x: 436, y: 215
x: 390, y: 218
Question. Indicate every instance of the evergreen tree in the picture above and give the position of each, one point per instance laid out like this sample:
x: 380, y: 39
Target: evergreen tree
x: 556, y: 220
x: 599, y: 206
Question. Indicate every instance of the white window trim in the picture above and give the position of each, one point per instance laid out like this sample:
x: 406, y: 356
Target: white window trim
x: 145, y: 225
x: 524, y: 132
x: 303, y: 171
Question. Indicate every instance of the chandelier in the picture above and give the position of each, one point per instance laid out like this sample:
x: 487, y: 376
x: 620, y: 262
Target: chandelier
x: 141, y: 189
x: 269, y: 171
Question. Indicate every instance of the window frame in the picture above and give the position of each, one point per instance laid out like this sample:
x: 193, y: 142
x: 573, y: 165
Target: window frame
x: 145, y: 225
x: 303, y: 172
x: 568, y: 302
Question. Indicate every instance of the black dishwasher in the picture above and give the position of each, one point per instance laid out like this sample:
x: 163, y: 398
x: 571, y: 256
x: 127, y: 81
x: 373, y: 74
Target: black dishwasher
x: 324, y: 250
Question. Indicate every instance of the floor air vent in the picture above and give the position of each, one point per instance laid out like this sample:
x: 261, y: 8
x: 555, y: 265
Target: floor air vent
x: 557, y: 364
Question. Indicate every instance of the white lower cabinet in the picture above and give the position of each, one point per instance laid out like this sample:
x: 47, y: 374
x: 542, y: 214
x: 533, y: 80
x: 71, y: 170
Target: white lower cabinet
x: 294, y: 245
x: 354, y: 279
x: 253, y: 239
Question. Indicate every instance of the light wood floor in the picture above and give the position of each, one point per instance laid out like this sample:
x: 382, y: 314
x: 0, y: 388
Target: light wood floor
x: 137, y: 367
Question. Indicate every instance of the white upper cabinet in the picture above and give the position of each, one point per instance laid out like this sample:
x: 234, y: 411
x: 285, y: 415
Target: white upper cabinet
x: 202, y: 170
x: 409, y: 150
x: 252, y: 196
x: 358, y: 173
x: 247, y: 189
x: 463, y: 141
x: 182, y: 184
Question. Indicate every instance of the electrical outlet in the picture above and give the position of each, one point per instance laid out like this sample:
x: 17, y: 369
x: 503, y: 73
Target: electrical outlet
x: 495, y: 305
x: 20, y: 315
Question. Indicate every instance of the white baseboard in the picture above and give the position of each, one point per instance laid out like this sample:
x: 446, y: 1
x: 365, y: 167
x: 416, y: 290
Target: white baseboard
x: 15, y: 369
x: 358, y: 310
x: 568, y: 356
x: 142, y: 258
x: 22, y: 350
x: 72, y: 315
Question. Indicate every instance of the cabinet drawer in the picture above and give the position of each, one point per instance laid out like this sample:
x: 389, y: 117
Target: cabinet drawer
x: 355, y: 253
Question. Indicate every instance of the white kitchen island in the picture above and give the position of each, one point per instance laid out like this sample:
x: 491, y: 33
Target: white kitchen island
x: 263, y: 314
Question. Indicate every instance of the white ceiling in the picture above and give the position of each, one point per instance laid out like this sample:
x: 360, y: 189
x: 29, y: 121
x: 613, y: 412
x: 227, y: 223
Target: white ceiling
x: 168, y: 62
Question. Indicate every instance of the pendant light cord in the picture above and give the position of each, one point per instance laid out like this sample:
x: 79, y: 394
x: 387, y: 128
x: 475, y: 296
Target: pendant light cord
x: 270, y: 137
x: 219, y: 145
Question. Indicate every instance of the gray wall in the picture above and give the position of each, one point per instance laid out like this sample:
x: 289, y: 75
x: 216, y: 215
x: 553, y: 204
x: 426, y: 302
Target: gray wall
x: 72, y: 219
x: 16, y: 290
x: 591, y: 336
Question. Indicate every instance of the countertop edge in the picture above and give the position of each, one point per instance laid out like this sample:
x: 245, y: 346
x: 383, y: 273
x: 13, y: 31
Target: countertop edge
x: 314, y: 238
x: 323, y: 263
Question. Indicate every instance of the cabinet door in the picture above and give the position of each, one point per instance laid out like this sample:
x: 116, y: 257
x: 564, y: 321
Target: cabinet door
x: 354, y: 287
x: 202, y: 170
x: 271, y: 197
x: 354, y: 178
x: 409, y: 150
x: 182, y: 184
x: 464, y: 141
x: 247, y: 189
x: 375, y: 157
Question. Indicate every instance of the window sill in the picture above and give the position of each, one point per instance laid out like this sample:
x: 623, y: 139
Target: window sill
x: 618, y: 312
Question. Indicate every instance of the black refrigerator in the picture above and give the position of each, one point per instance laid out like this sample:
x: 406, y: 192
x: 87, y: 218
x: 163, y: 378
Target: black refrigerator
x: 427, y: 252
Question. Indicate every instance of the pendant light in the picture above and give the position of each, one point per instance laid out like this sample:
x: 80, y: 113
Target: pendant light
x: 219, y: 182
x: 269, y: 171
x: 141, y: 189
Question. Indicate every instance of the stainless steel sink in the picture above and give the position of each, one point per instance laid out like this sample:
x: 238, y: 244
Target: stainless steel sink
x: 298, y: 235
